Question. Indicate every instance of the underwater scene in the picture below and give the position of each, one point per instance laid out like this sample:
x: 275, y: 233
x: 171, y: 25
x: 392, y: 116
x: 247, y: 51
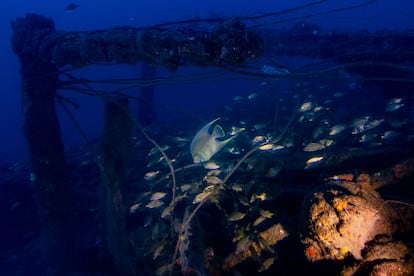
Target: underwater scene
x: 265, y: 140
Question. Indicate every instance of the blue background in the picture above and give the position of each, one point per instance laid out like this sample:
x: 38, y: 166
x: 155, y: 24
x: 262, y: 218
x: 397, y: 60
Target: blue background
x: 389, y: 14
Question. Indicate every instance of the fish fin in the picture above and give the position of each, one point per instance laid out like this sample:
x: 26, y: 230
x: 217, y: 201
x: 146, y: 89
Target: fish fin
x: 218, y: 132
x: 211, y: 127
x: 223, y: 141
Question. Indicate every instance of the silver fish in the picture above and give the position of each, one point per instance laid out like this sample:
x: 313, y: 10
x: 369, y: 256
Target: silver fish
x: 211, y: 165
x: 259, y: 139
x: 252, y: 96
x: 390, y: 134
x: 236, y: 130
x: 313, y: 147
x: 155, y: 150
x: 205, y: 193
x: 266, y: 146
x: 394, y: 104
x: 259, y: 220
x: 236, y: 216
x: 215, y: 172
x: 151, y: 175
x: 312, y: 161
x: 212, y: 179
x: 306, y: 107
x: 154, y: 204
x: 336, y: 129
x: 158, y: 195
x: 266, y: 213
x: 133, y: 208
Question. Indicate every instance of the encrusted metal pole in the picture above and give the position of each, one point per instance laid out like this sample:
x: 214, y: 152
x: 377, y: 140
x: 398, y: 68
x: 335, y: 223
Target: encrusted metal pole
x: 115, y: 156
x: 309, y: 40
x: 41, y: 128
x: 230, y: 43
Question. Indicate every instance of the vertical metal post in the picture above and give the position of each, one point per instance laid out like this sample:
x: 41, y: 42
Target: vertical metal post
x: 115, y: 157
x: 42, y: 130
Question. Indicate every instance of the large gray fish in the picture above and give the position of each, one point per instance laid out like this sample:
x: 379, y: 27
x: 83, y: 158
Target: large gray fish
x: 208, y: 141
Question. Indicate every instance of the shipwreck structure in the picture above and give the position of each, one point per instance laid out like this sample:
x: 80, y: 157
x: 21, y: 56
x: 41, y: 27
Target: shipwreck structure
x: 43, y: 51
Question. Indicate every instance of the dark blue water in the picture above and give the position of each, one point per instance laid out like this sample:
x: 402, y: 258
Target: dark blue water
x: 91, y: 15
x: 375, y: 118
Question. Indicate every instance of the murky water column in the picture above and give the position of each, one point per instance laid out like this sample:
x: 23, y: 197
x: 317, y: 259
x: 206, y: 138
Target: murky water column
x: 41, y: 128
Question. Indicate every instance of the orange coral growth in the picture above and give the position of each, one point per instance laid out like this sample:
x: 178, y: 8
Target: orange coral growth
x: 343, y: 177
x: 310, y: 252
x: 364, y: 180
